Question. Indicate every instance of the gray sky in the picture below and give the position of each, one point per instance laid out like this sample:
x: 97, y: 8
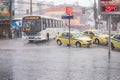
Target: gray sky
x: 85, y: 3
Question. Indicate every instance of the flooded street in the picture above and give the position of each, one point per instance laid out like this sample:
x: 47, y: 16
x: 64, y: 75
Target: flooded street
x: 47, y: 61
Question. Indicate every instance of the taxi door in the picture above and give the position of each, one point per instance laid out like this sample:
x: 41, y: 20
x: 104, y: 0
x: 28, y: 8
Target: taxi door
x: 71, y: 39
x: 116, y: 42
x: 64, y: 38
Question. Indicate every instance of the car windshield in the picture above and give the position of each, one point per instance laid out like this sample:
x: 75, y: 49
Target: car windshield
x: 98, y: 33
x: 78, y: 35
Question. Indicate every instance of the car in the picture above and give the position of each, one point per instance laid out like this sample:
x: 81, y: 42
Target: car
x: 75, y: 39
x: 115, y: 41
x: 97, y: 36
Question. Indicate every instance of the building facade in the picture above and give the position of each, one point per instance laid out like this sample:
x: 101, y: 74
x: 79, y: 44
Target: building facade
x: 59, y: 11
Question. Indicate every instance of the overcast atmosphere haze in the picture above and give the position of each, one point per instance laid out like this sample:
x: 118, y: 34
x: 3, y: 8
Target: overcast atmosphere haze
x: 84, y: 3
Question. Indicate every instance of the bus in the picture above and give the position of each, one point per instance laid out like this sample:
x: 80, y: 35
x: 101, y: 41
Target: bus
x: 38, y: 28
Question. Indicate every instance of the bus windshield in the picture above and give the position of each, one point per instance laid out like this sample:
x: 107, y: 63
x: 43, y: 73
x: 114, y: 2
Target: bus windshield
x: 31, y: 25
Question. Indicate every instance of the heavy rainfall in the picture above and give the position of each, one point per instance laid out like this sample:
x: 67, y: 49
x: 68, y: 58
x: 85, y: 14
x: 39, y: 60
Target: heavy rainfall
x: 59, y: 40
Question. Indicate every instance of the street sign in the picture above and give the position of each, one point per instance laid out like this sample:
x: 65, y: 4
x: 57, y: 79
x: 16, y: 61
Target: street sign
x: 69, y: 10
x: 67, y: 17
x: 109, y: 6
x: 16, y: 24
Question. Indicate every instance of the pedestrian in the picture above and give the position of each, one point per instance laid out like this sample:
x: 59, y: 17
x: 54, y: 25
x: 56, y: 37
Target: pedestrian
x: 3, y: 33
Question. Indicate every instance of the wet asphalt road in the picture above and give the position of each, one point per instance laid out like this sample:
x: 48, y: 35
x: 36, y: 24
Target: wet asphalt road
x: 20, y: 60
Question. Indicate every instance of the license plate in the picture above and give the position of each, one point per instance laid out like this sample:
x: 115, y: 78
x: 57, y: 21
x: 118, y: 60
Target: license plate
x: 31, y: 37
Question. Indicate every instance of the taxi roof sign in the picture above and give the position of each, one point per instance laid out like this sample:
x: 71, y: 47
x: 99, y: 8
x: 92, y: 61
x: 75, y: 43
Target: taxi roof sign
x: 69, y: 10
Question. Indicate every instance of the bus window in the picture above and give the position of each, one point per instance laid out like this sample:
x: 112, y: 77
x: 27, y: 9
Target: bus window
x: 55, y: 23
x: 48, y: 23
x: 58, y: 24
x: 44, y: 23
x: 52, y: 23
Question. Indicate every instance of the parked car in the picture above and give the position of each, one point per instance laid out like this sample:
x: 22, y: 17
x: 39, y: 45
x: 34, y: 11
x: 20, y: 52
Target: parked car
x: 115, y: 41
x: 75, y: 39
x: 97, y: 36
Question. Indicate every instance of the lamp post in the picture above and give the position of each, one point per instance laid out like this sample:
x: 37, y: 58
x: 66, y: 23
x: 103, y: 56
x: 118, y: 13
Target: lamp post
x: 10, y: 11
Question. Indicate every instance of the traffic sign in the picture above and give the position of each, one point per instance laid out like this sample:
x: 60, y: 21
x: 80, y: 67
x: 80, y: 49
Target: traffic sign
x: 67, y: 17
x: 69, y: 10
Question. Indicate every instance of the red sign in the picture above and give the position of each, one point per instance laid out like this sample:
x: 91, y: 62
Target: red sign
x: 69, y: 10
x: 110, y: 8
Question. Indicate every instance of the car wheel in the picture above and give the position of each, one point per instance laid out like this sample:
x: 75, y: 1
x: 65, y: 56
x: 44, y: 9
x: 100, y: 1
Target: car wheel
x: 112, y: 46
x: 97, y: 41
x: 88, y: 46
x: 78, y: 44
x: 59, y: 42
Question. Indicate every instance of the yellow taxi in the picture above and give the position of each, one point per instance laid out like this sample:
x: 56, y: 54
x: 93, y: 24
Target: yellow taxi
x: 97, y: 36
x: 115, y: 41
x: 75, y: 38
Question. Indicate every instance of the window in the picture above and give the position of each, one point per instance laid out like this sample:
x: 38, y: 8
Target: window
x: 48, y: 23
x: 58, y: 24
x: 61, y: 23
x: 33, y: 25
x: 70, y: 35
x: 44, y: 23
x: 39, y: 25
x: 117, y: 37
x: 52, y: 23
x: 55, y: 23
x: 91, y: 33
x: 86, y: 33
x: 64, y: 34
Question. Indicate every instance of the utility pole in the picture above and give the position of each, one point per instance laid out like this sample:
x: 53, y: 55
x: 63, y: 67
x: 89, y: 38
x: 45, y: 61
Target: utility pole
x: 10, y: 11
x: 95, y: 14
x: 30, y: 7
